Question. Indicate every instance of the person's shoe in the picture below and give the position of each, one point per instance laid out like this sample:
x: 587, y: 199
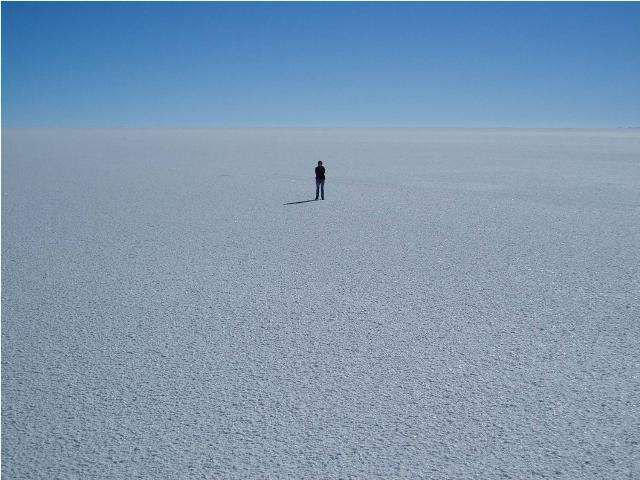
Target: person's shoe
x: 316, y: 198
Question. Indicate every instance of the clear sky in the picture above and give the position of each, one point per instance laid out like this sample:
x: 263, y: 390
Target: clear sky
x: 320, y: 64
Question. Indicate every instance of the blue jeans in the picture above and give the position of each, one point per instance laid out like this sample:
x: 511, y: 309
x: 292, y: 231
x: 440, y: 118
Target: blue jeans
x: 320, y: 187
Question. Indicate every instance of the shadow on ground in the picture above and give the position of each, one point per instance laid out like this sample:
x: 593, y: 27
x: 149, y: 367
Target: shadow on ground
x: 301, y: 201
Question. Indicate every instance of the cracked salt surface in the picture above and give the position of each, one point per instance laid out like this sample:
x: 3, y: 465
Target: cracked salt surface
x: 464, y: 304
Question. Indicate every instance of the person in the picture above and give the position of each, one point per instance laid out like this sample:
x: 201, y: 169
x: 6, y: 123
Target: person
x: 320, y: 180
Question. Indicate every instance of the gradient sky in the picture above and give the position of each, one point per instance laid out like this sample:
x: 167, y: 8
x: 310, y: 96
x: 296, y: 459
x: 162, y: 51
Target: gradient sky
x: 320, y: 64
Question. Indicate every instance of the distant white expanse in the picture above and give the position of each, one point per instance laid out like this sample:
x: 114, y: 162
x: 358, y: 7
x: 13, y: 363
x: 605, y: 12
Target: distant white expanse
x: 464, y: 304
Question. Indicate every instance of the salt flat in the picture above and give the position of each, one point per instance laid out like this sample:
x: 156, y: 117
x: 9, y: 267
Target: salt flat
x: 464, y: 304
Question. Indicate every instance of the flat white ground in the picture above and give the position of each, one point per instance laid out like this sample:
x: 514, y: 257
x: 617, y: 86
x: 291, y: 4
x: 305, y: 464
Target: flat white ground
x: 464, y: 304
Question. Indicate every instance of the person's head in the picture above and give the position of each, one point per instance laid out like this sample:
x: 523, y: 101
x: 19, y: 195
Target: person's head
x: 320, y: 163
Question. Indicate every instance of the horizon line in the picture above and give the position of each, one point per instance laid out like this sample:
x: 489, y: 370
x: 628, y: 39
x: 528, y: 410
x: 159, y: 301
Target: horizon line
x: 318, y: 127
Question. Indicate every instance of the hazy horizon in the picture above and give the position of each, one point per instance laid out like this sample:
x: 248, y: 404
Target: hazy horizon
x: 317, y: 127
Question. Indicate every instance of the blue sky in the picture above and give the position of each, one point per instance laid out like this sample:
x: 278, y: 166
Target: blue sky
x: 320, y: 64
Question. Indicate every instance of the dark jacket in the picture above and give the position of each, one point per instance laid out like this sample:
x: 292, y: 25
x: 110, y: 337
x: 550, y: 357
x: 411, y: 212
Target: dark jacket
x: 319, y: 172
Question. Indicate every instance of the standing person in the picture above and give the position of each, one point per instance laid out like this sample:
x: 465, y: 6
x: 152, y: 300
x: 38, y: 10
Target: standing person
x: 320, y: 180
